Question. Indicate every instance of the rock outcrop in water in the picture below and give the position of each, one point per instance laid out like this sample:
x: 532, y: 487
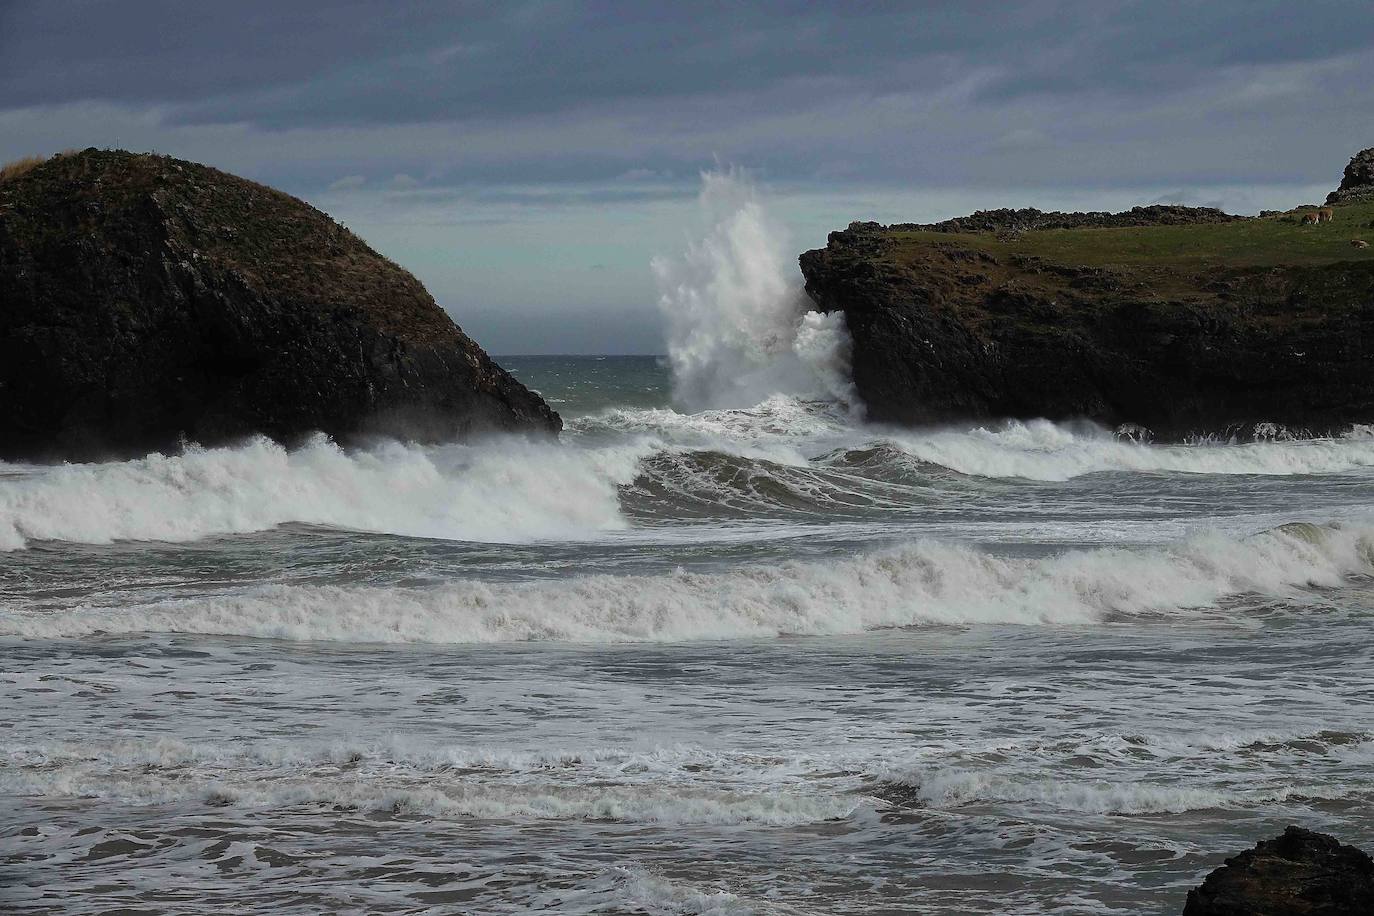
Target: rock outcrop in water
x: 1178, y: 320
x: 144, y: 299
x: 1300, y: 873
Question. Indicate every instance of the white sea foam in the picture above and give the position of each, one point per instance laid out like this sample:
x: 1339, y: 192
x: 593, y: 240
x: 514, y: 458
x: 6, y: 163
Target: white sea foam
x: 513, y: 490
x: 452, y: 797
x: 505, y: 490
x: 952, y: 788
x: 920, y: 583
x: 739, y: 326
x: 1041, y: 450
x: 642, y: 891
x: 777, y: 425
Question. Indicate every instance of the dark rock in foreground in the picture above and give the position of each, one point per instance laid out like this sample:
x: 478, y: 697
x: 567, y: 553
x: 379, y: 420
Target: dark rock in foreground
x: 1300, y: 873
x: 144, y: 299
x: 1199, y: 324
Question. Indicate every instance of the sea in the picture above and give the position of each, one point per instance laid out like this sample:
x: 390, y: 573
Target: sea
x: 724, y: 647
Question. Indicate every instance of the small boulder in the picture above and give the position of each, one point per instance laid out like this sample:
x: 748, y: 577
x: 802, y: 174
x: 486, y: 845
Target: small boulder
x: 1300, y: 873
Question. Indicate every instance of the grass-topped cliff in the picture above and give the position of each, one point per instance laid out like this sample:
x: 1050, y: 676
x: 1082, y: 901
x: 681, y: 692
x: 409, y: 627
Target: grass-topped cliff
x: 1258, y: 242
x: 1181, y: 320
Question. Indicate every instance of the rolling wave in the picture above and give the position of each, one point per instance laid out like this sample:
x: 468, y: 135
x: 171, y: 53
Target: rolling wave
x: 782, y: 458
x: 925, y: 582
x: 504, y: 490
x: 1041, y: 450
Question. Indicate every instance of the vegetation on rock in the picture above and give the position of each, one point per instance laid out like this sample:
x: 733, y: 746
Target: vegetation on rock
x: 1202, y: 324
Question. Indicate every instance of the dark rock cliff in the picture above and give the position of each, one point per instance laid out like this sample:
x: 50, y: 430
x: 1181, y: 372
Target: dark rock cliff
x: 144, y: 299
x: 1202, y: 324
x: 1357, y: 184
x: 1300, y: 873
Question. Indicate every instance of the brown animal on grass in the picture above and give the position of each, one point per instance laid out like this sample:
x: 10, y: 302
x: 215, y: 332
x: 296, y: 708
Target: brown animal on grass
x: 1358, y: 243
x: 1324, y: 215
x: 1309, y: 218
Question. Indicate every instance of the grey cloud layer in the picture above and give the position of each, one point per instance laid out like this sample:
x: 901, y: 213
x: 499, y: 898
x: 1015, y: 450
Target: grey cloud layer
x: 929, y: 93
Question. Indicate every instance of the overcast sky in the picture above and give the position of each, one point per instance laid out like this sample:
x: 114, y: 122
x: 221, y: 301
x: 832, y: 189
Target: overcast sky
x: 527, y: 159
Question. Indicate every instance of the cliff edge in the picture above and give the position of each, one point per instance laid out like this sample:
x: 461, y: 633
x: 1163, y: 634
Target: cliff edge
x: 1181, y: 320
x: 145, y: 300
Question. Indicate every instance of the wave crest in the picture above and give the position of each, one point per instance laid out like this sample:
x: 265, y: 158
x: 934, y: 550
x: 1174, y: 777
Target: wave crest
x: 506, y: 490
x: 925, y: 582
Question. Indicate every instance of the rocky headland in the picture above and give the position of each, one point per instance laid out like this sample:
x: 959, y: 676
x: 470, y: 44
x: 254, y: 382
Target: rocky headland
x: 1176, y: 320
x: 146, y: 301
x: 1300, y: 873
x: 1357, y: 184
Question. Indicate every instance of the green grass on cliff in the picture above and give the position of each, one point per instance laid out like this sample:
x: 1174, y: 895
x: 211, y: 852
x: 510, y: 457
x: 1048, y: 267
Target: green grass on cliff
x: 1270, y: 241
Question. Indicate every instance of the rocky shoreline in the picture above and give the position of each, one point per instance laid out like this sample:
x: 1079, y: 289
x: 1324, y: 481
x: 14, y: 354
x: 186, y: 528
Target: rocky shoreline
x: 148, y: 301
x: 1182, y: 322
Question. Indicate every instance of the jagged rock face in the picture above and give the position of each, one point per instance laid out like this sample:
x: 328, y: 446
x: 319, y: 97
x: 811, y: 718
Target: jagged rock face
x: 1358, y: 181
x: 945, y: 331
x: 145, y: 299
x: 1300, y: 873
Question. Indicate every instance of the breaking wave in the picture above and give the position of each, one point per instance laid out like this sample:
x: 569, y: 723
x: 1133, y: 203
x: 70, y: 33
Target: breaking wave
x: 456, y: 798
x: 953, y: 788
x: 781, y: 458
x: 925, y: 582
x: 1041, y: 450
x: 509, y: 490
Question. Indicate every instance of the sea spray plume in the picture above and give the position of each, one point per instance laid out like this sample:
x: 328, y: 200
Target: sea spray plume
x: 739, y: 326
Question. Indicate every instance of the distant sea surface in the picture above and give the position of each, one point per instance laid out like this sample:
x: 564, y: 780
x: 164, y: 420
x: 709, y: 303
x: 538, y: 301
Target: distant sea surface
x: 768, y: 660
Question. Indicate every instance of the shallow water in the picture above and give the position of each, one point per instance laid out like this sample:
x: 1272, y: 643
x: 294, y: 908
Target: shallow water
x: 769, y: 660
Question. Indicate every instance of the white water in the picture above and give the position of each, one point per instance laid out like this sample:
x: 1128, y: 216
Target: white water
x: 1041, y: 450
x: 509, y: 490
x: 739, y: 325
x: 921, y: 583
x: 516, y: 490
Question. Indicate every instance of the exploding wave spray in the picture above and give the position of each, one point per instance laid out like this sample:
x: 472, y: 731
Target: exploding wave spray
x: 739, y: 325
